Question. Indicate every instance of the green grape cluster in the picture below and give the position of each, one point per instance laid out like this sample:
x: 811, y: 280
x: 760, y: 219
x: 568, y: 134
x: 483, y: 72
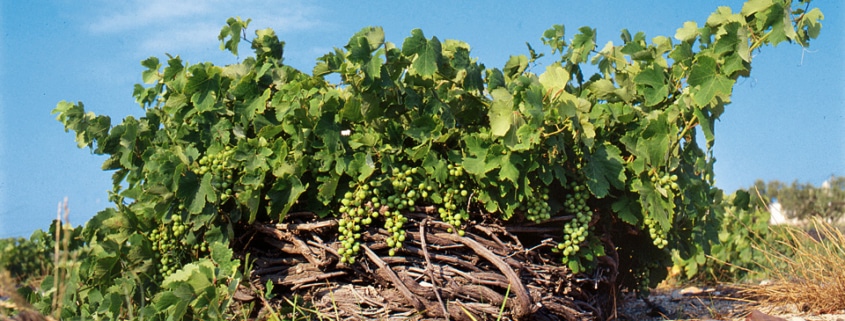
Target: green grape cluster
x: 406, y: 194
x: 356, y: 214
x: 171, y: 245
x: 669, y: 183
x: 453, y: 199
x: 394, y: 224
x: 642, y: 274
x: 221, y: 166
x: 576, y: 231
x: 387, y: 195
x: 658, y: 235
x: 369, y: 201
x: 536, y: 207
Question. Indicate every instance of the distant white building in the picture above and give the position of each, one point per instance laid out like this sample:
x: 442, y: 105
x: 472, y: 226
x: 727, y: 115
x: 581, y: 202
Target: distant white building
x: 777, y: 217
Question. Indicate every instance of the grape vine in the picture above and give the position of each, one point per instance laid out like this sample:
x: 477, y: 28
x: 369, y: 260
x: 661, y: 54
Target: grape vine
x: 422, y: 124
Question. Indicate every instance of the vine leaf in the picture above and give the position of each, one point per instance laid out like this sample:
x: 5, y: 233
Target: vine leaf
x: 205, y: 192
x: 706, y: 123
x: 501, y: 111
x: 222, y: 256
x: 604, y: 168
x: 710, y: 83
x: 515, y: 66
x: 625, y: 210
x: 414, y: 44
x: 652, y: 83
x: 753, y: 6
x: 658, y: 207
x: 509, y: 170
x: 203, y: 86
x: 428, y: 52
x: 150, y: 75
x: 688, y: 32
x: 554, y: 79
x: 232, y: 30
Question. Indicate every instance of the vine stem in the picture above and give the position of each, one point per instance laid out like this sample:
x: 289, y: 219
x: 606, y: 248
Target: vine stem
x: 393, y: 278
x: 558, y: 131
x: 759, y: 42
x: 522, y: 309
x: 687, y: 127
x: 428, y: 268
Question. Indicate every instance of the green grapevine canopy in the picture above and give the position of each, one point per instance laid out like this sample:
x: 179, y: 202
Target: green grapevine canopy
x: 425, y: 124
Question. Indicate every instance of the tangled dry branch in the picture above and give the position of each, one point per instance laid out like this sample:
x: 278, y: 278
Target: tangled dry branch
x: 486, y: 274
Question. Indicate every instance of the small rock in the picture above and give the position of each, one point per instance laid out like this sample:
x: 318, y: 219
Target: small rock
x: 692, y: 290
x: 756, y: 315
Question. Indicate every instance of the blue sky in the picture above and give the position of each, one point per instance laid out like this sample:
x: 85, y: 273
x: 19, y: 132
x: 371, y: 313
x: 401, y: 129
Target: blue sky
x: 786, y: 122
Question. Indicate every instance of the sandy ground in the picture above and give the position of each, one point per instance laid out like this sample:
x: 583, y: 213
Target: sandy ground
x: 713, y: 303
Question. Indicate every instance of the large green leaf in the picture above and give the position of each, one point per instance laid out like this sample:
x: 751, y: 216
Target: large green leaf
x: 554, y: 79
x: 510, y: 168
x: 204, y: 193
x: 515, y: 66
x: 604, y: 168
x: 414, y: 44
x: 501, y: 111
x: 709, y: 82
x: 203, y: 86
x: 651, y: 82
x: 429, y: 57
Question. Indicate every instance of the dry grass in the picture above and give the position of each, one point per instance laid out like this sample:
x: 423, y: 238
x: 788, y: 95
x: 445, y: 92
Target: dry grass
x: 13, y: 306
x: 805, y: 269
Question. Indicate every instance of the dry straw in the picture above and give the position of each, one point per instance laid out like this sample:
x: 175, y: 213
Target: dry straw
x: 805, y: 267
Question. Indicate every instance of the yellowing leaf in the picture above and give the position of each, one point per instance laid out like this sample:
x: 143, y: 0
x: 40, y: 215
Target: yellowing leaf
x: 753, y: 6
x: 688, y: 32
x: 554, y: 79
